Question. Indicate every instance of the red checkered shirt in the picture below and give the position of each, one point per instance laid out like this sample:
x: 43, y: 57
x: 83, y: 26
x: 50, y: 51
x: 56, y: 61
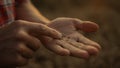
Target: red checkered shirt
x: 7, y: 11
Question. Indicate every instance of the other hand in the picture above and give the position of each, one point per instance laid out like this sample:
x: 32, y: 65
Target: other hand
x: 18, y: 41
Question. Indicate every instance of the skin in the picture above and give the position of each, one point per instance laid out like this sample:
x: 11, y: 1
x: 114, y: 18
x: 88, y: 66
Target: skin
x: 19, y: 40
x: 73, y: 43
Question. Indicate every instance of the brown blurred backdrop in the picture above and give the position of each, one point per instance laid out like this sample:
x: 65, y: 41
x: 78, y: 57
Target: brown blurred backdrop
x: 106, y: 13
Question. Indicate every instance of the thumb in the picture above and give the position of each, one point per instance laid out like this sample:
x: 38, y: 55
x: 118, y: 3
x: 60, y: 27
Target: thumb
x: 86, y: 26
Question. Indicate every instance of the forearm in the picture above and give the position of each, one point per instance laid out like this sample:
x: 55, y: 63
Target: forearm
x: 26, y: 11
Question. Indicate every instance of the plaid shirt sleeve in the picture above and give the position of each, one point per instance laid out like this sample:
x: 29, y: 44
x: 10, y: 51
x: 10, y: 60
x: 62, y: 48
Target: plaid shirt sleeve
x: 7, y: 11
x: 7, y: 14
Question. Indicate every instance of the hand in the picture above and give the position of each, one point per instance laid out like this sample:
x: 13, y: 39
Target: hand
x: 73, y: 43
x: 18, y: 41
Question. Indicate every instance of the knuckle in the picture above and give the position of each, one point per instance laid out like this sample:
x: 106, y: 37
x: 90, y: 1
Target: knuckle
x: 35, y: 44
x: 20, y: 47
x: 19, y: 34
x: 25, y: 51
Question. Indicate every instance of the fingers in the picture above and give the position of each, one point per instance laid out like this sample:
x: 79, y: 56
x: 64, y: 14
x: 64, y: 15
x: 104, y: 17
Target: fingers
x: 17, y: 44
x: 39, y: 29
x: 59, y: 50
x: 32, y: 42
x: 87, y: 41
x: 76, y: 52
x: 24, y: 50
x: 17, y: 47
x: 14, y: 54
x: 90, y: 49
x: 51, y: 44
x: 86, y: 26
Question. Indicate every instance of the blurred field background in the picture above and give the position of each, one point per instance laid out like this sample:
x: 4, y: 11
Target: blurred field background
x: 106, y: 13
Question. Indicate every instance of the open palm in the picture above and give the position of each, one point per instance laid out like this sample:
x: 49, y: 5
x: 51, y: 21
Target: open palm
x: 73, y: 42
